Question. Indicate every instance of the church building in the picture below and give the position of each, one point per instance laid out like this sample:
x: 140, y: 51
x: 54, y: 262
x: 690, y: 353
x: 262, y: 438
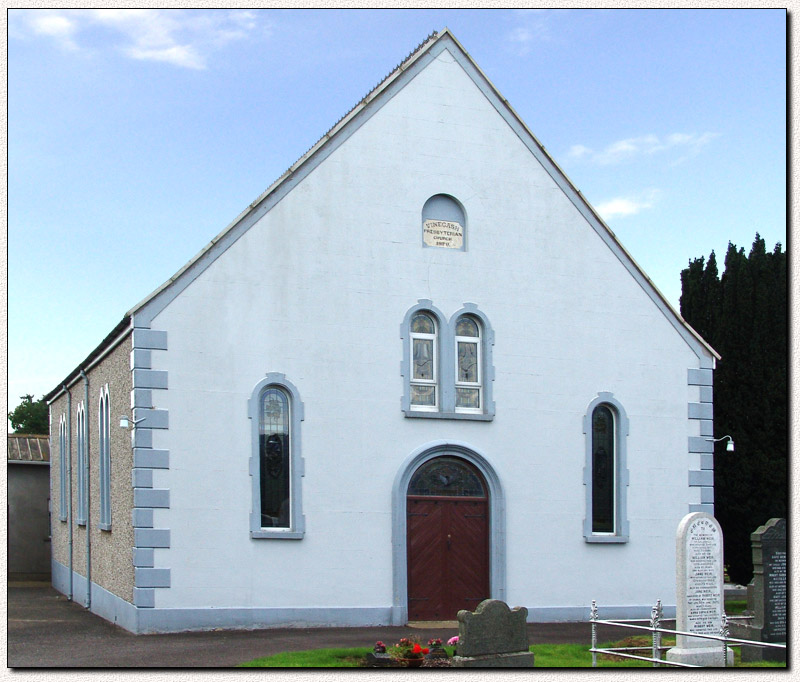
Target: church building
x: 418, y: 371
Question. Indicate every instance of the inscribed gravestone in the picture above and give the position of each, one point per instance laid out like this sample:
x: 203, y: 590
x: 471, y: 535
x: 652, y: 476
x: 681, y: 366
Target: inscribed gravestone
x: 699, y: 583
x: 766, y: 594
x: 773, y: 566
x: 493, y: 636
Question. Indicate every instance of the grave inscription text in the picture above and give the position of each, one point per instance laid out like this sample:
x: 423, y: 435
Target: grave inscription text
x: 703, y: 595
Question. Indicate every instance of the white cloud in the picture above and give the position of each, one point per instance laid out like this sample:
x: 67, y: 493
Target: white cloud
x: 56, y: 26
x: 179, y: 55
x: 645, y: 145
x: 626, y: 206
x: 535, y: 27
x: 183, y: 38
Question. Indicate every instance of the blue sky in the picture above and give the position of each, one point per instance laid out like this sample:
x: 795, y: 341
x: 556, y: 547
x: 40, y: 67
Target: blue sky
x: 135, y: 136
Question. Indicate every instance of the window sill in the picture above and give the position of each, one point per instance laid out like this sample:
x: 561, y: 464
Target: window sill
x: 104, y: 526
x: 473, y: 416
x: 606, y: 539
x: 276, y: 535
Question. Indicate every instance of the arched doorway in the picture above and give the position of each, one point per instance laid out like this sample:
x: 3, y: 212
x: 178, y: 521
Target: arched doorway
x: 447, y: 538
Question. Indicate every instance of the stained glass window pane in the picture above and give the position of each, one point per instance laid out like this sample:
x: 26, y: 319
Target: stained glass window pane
x: 423, y: 395
x: 423, y: 359
x: 467, y: 361
x: 274, y: 454
x: 447, y: 476
x: 466, y: 327
x: 602, y: 470
x: 422, y: 324
x: 468, y: 397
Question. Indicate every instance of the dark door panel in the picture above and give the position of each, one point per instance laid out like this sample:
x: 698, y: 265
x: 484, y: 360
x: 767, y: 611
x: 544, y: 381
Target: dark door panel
x: 448, y: 556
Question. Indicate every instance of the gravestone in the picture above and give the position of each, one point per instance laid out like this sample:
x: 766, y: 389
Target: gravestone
x: 700, y: 592
x: 493, y: 636
x: 766, y: 594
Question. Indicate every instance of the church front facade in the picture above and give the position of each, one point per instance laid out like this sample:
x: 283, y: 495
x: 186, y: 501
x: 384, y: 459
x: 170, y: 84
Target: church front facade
x: 417, y: 372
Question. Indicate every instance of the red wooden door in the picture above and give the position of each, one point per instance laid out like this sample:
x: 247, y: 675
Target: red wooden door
x: 448, y: 555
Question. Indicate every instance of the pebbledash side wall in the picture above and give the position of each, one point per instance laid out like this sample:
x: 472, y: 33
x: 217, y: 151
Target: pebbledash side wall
x: 112, y: 570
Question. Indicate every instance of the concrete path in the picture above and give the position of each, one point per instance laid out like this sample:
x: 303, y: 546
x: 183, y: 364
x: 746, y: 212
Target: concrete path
x: 45, y: 630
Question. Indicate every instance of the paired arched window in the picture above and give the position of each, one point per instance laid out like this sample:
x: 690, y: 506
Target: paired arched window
x: 447, y: 365
x: 606, y: 474
x: 468, y: 364
x: 104, y: 452
x: 424, y: 362
x: 82, y: 451
x: 276, y: 466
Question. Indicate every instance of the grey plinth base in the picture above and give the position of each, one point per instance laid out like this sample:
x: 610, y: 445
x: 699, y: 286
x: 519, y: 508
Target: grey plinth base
x: 753, y: 654
x: 709, y: 657
x: 522, y: 659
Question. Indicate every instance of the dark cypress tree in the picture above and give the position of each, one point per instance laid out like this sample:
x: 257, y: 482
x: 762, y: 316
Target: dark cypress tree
x: 744, y: 317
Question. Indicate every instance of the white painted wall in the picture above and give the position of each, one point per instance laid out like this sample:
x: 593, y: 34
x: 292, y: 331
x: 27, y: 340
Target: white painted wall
x: 317, y: 290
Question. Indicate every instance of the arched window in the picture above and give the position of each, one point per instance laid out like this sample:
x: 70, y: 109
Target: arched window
x: 448, y: 477
x: 424, y: 362
x: 469, y: 369
x: 603, y: 470
x: 104, y: 452
x: 81, y: 433
x: 62, y: 466
x: 276, y: 466
x: 275, y: 470
x: 606, y: 474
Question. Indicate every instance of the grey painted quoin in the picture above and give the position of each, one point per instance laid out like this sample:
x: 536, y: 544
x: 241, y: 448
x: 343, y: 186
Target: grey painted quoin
x: 423, y: 283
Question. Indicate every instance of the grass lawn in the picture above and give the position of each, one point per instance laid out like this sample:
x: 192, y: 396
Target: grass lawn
x: 735, y: 607
x: 315, y: 658
x: 546, y: 656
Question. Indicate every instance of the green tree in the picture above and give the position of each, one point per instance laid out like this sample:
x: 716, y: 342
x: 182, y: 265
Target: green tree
x: 30, y: 416
x: 744, y: 316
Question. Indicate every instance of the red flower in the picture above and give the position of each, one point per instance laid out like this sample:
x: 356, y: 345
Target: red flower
x: 417, y: 649
x: 425, y: 650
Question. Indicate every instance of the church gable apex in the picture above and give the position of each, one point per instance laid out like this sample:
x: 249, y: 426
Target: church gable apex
x: 428, y: 51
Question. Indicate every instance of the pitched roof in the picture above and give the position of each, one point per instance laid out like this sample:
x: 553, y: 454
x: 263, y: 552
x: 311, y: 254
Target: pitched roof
x: 28, y: 448
x: 144, y: 311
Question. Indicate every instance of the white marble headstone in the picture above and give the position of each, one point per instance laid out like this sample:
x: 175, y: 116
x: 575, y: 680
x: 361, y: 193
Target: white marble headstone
x: 700, y: 590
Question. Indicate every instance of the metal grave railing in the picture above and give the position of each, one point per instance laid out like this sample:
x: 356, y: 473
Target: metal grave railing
x: 655, y: 649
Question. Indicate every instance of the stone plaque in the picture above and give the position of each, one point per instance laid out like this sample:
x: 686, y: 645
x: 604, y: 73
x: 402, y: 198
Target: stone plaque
x: 699, y: 574
x: 445, y: 234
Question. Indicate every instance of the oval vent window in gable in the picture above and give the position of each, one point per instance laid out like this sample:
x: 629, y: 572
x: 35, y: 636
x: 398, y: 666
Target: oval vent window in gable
x: 443, y: 223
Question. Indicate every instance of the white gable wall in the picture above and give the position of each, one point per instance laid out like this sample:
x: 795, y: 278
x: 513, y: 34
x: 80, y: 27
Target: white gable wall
x: 317, y: 290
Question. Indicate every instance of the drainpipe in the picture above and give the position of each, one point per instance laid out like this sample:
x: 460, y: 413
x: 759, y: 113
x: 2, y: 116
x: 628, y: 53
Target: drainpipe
x: 69, y: 483
x: 86, y: 470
